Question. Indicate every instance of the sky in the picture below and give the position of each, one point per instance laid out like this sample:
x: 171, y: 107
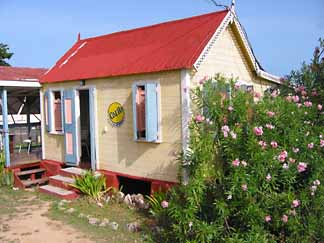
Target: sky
x: 283, y: 33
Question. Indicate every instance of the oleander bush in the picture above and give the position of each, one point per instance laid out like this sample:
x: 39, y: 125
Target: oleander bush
x: 255, y: 168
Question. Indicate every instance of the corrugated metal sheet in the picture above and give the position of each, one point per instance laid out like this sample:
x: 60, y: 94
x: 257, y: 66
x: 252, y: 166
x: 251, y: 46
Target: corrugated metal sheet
x: 20, y: 73
x: 167, y: 46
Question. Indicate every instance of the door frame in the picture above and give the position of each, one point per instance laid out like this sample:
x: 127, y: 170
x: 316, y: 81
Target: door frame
x: 94, y: 146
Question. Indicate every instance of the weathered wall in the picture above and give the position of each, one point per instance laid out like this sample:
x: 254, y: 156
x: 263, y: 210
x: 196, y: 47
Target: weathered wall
x: 118, y: 151
x: 228, y: 57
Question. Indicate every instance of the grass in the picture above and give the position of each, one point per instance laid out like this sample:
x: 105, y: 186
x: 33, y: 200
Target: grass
x: 112, y: 211
x: 13, y: 202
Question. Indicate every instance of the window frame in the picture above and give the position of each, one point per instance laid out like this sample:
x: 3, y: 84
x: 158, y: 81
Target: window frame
x: 159, y: 118
x: 52, y: 113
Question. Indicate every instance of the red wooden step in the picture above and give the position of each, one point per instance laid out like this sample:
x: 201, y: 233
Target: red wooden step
x: 30, y: 172
x: 40, y: 181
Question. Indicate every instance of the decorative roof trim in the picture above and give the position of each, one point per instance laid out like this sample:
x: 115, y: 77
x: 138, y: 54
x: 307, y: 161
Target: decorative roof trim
x: 256, y: 66
x: 268, y: 76
x: 13, y: 83
x: 231, y: 17
x: 212, y: 41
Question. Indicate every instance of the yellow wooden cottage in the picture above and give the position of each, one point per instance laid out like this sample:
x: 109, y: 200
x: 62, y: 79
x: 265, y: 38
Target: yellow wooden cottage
x: 119, y: 103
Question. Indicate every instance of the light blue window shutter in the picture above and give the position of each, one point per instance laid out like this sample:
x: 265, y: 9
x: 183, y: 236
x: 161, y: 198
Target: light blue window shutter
x: 151, y: 112
x: 49, y: 107
x: 134, y: 88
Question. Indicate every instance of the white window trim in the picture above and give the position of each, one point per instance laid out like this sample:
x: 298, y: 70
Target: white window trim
x: 158, y: 87
x: 52, y: 126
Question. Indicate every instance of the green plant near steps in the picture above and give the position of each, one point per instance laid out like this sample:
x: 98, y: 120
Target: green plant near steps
x: 92, y: 185
x: 155, y: 202
x: 6, y: 177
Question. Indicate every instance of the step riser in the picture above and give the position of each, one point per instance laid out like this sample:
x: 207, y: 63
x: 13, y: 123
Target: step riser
x: 66, y: 197
x: 61, y: 184
x: 68, y: 174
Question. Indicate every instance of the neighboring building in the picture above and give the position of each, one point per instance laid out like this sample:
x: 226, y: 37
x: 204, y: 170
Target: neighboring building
x: 120, y: 102
x: 20, y: 112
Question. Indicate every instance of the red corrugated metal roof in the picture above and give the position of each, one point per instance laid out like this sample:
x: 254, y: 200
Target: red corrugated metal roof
x: 167, y: 46
x: 21, y: 73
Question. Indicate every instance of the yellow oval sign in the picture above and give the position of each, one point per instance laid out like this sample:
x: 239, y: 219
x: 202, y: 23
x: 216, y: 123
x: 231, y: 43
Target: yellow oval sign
x: 116, y: 114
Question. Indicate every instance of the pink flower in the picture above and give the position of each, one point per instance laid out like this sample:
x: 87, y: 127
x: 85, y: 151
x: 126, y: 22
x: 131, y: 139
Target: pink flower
x: 282, y: 156
x: 308, y: 103
x: 314, y: 92
x: 299, y: 105
x: 291, y: 160
x: 244, y: 187
x: 301, y: 167
x: 284, y: 218
x: 274, y: 144
x: 295, y: 150
x: 303, y: 93
x: 200, y: 118
x: 233, y: 135
x: 164, y: 204
x: 267, y: 218
x: 270, y: 126
x: 271, y: 113
x: 310, y: 145
x: 295, y: 203
x: 285, y: 166
x: 236, y: 163
x: 295, y: 98
x: 258, y: 131
x: 319, y: 107
x: 225, y: 130
x: 317, y: 182
x: 275, y: 93
x: 230, y: 108
x: 203, y: 80
x: 237, y: 85
x: 257, y: 95
x: 268, y: 177
x: 244, y: 163
x: 263, y: 144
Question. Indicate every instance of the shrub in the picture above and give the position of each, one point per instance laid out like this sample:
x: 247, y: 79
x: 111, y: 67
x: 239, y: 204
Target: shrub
x: 92, y: 185
x: 254, y: 169
x: 6, y: 176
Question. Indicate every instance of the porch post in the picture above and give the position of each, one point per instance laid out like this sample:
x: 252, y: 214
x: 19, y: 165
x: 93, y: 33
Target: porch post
x: 28, y: 116
x: 5, y: 126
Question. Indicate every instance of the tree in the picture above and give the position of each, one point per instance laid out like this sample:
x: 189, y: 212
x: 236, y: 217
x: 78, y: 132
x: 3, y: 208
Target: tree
x: 309, y: 76
x: 4, y: 54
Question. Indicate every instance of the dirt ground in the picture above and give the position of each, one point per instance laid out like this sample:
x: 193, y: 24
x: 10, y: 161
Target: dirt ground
x: 29, y: 224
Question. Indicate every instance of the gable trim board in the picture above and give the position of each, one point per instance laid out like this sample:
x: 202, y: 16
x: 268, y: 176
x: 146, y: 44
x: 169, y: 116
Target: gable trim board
x: 230, y: 18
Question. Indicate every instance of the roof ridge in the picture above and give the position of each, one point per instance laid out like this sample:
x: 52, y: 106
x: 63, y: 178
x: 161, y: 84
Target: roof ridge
x: 151, y: 26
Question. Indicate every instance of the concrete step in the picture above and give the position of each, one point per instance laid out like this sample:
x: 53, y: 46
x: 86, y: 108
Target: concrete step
x: 72, y: 172
x: 61, y: 181
x: 59, y: 192
x: 40, y: 181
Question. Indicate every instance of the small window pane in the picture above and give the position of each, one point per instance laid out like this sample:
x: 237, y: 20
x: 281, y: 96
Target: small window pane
x: 140, y: 112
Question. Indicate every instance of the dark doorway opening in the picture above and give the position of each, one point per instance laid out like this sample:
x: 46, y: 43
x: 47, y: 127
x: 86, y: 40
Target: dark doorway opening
x: 132, y: 186
x: 85, y: 160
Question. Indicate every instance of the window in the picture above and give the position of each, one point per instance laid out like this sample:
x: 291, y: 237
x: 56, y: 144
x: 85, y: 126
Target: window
x: 58, y: 126
x: 146, y: 112
x: 53, y: 111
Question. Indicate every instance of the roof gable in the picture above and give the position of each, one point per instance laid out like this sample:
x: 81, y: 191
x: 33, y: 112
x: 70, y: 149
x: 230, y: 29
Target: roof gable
x: 167, y: 46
